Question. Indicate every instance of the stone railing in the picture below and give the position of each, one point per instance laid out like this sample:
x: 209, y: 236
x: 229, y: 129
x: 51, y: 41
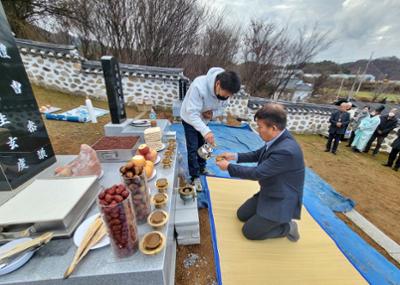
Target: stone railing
x: 62, y: 68
x: 306, y: 118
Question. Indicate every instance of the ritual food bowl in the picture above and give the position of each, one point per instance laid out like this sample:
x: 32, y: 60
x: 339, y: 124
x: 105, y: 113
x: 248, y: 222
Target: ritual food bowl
x: 167, y: 165
x: 166, y: 160
x: 152, y: 243
x: 219, y: 158
x: 158, y: 219
x: 169, y: 153
x: 162, y: 185
x: 159, y: 200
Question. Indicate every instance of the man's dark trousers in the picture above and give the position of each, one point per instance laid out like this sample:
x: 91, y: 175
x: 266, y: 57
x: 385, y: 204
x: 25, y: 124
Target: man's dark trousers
x: 379, y: 142
x: 392, y: 158
x: 335, y: 138
x: 257, y: 227
x: 194, y: 140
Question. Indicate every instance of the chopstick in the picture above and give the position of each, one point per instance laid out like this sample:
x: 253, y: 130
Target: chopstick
x: 93, y: 235
x: 43, y: 239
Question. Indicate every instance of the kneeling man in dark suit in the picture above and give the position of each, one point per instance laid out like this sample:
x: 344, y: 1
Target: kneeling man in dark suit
x: 280, y: 173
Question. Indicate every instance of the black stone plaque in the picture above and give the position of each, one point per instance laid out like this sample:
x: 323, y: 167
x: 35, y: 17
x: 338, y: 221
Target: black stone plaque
x: 25, y: 147
x: 115, y: 94
x: 183, y: 85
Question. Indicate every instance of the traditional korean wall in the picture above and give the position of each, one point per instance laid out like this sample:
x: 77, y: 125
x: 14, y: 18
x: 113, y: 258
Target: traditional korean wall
x: 62, y: 68
x: 237, y: 105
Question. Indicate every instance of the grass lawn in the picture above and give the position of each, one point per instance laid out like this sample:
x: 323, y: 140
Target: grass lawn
x: 374, y: 188
x: 368, y: 95
x: 66, y: 137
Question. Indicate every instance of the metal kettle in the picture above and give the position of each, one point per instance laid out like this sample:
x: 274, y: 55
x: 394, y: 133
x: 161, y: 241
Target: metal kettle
x: 205, y: 151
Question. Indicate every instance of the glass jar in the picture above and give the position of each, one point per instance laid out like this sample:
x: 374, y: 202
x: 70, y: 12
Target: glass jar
x: 120, y: 220
x: 137, y: 185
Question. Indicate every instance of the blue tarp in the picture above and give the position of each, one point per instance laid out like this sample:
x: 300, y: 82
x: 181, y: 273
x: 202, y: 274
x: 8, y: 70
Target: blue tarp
x: 243, y: 139
x: 320, y: 199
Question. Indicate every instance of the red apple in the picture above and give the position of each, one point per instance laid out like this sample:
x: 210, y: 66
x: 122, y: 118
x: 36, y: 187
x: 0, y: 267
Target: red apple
x: 152, y: 155
x: 143, y: 149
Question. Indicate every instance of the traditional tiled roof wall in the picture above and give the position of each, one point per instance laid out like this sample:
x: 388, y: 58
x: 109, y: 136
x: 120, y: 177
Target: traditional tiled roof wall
x: 61, y: 67
x: 307, y: 118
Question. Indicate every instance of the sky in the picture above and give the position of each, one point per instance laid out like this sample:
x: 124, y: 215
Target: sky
x: 357, y: 27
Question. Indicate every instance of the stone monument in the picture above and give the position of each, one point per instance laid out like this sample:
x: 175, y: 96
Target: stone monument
x: 25, y: 148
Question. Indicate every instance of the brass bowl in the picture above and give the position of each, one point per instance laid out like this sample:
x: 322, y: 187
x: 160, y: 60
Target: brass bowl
x: 167, y: 165
x: 158, y: 225
x: 162, y: 185
x: 159, y: 200
x: 166, y: 160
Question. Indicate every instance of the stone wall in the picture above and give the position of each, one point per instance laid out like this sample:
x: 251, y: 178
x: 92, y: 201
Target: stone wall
x: 62, y: 68
x: 310, y: 119
x: 237, y: 105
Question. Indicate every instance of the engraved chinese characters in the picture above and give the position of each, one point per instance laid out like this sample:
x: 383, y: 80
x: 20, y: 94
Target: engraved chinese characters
x: 115, y: 94
x: 25, y: 148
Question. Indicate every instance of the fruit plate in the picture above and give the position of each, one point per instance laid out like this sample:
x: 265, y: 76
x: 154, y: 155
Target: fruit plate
x: 153, y: 175
x: 81, y: 230
x: 141, y: 123
x: 157, y: 160
x: 161, y: 148
x: 19, y: 261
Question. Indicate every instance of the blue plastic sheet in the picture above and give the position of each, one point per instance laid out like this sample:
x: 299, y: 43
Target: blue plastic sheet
x: 243, y: 139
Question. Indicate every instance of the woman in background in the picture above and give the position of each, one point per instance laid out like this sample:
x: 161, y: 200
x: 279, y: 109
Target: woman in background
x: 366, y: 129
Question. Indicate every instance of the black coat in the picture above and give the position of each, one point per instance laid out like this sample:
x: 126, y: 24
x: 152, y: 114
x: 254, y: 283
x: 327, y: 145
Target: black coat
x: 280, y: 173
x: 396, y: 142
x: 336, y: 117
x: 386, y: 126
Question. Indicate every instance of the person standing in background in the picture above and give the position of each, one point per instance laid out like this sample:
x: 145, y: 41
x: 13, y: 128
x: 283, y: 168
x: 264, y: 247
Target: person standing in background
x: 393, y: 153
x: 356, y: 121
x: 388, y: 123
x: 339, y: 120
x: 365, y: 130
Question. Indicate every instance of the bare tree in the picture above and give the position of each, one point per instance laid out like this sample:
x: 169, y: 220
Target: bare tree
x: 166, y: 30
x: 218, y: 46
x: 299, y: 51
x: 262, y: 53
x: 272, y: 56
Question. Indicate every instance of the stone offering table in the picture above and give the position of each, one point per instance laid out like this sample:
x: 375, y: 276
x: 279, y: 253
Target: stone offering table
x: 125, y: 129
x: 100, y: 267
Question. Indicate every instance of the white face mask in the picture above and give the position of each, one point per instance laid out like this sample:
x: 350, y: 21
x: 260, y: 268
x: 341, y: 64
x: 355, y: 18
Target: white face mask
x: 391, y: 114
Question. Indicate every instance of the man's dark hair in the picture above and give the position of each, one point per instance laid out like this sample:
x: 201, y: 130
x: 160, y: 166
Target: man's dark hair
x: 272, y: 115
x: 229, y: 81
